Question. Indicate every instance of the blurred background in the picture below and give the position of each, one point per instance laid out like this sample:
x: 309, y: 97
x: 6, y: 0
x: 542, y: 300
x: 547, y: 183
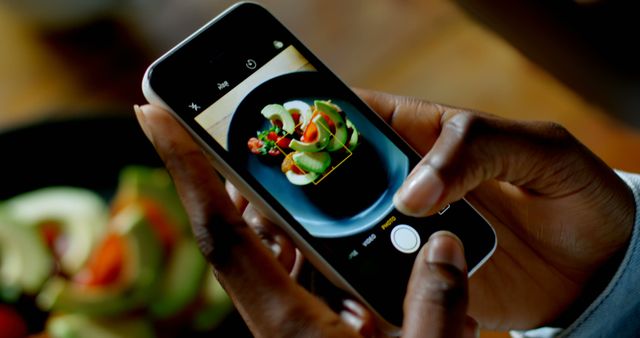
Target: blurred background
x: 78, y: 58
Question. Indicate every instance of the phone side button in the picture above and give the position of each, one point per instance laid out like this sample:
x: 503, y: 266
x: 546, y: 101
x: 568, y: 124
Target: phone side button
x: 443, y: 210
x: 405, y: 238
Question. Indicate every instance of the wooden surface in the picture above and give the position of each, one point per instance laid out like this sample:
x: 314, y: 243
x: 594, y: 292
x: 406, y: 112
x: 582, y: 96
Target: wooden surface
x: 428, y: 49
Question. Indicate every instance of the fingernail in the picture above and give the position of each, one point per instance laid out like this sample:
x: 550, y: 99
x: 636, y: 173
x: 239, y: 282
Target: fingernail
x: 420, y: 192
x: 354, y: 307
x: 446, y: 248
x: 352, y: 320
x: 273, y: 246
x: 142, y: 121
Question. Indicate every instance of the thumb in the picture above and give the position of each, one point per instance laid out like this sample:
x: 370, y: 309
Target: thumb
x: 436, y: 301
x: 472, y: 148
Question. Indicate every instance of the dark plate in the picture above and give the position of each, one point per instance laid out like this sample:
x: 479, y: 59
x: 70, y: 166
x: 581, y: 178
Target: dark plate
x: 79, y: 152
x: 85, y: 152
x: 351, y: 199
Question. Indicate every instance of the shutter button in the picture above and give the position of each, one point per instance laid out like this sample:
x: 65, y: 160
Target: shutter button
x: 405, y: 238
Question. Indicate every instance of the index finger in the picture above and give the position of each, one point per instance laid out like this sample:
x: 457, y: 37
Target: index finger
x: 417, y: 121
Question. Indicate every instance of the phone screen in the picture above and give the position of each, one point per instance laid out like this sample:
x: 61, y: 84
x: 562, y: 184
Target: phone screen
x: 310, y: 147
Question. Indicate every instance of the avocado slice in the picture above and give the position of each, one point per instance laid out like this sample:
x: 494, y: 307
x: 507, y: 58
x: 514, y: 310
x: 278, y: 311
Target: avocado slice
x: 301, y: 179
x: 181, y: 280
x: 354, y: 139
x: 81, y: 326
x: 321, y: 141
x: 339, y: 138
x: 278, y: 112
x: 312, y: 162
x: 25, y: 261
x: 59, y: 294
x: 303, y: 108
x: 142, y: 183
x: 217, y: 304
x: 81, y: 214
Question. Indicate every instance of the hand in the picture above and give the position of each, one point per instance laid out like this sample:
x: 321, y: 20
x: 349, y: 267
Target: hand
x: 561, y: 215
x: 270, y: 301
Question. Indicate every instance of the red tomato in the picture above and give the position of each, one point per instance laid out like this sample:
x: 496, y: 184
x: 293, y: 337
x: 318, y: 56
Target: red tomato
x: 297, y: 170
x: 272, y: 136
x: 160, y: 223
x: 53, y: 237
x: 274, y: 152
x: 310, y: 133
x: 106, y: 264
x: 254, y: 145
x: 332, y: 126
x: 283, y: 142
x: 296, y: 116
x: 11, y: 324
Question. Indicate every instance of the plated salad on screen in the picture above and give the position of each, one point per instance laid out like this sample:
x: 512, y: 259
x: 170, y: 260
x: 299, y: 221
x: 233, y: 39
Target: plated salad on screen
x: 311, y: 140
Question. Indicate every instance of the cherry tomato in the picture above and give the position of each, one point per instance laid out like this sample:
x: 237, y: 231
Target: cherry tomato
x: 272, y: 136
x: 274, y: 152
x: 311, y: 133
x: 296, y: 116
x: 283, y: 142
x: 297, y: 170
x: 254, y: 145
x: 107, y: 263
x: 332, y: 126
x: 11, y: 324
x: 161, y: 223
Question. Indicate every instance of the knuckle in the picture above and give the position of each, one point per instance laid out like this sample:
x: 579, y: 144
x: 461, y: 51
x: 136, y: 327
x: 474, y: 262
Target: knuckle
x: 469, y: 126
x: 557, y: 132
x: 296, y: 321
x: 216, y: 238
x: 466, y: 134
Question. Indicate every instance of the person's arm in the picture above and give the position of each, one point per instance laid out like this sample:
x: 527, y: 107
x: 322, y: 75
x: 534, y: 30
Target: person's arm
x: 616, y: 310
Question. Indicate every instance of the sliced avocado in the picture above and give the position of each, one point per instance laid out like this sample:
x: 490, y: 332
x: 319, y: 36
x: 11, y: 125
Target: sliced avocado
x: 81, y: 214
x: 82, y: 326
x: 339, y: 138
x: 301, y: 179
x: 217, y: 304
x: 303, y: 108
x: 321, y: 141
x: 181, y: 279
x: 278, y: 112
x: 312, y: 162
x: 25, y: 261
x: 353, y: 140
x: 145, y: 263
x: 143, y: 183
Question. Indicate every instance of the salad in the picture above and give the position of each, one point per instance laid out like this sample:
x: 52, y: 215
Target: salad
x: 128, y: 268
x: 310, y: 141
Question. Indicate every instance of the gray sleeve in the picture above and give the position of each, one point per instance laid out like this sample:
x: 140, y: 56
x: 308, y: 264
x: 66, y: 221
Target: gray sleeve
x: 616, y: 311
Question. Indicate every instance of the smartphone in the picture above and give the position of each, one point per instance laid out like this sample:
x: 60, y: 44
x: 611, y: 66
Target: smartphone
x: 312, y: 156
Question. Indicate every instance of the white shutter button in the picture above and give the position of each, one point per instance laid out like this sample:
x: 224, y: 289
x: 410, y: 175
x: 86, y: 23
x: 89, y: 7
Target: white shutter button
x: 405, y: 238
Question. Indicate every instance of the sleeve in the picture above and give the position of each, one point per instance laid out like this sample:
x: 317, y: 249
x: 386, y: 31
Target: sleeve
x: 616, y: 311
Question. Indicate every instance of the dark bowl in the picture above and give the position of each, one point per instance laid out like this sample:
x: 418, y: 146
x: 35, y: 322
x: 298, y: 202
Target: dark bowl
x: 351, y: 199
x: 83, y: 152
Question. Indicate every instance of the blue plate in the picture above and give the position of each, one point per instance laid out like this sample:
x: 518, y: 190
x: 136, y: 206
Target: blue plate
x: 356, y: 195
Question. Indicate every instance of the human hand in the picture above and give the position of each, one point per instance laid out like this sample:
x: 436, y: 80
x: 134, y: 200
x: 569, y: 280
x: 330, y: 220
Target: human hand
x: 271, y: 302
x: 562, y: 217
